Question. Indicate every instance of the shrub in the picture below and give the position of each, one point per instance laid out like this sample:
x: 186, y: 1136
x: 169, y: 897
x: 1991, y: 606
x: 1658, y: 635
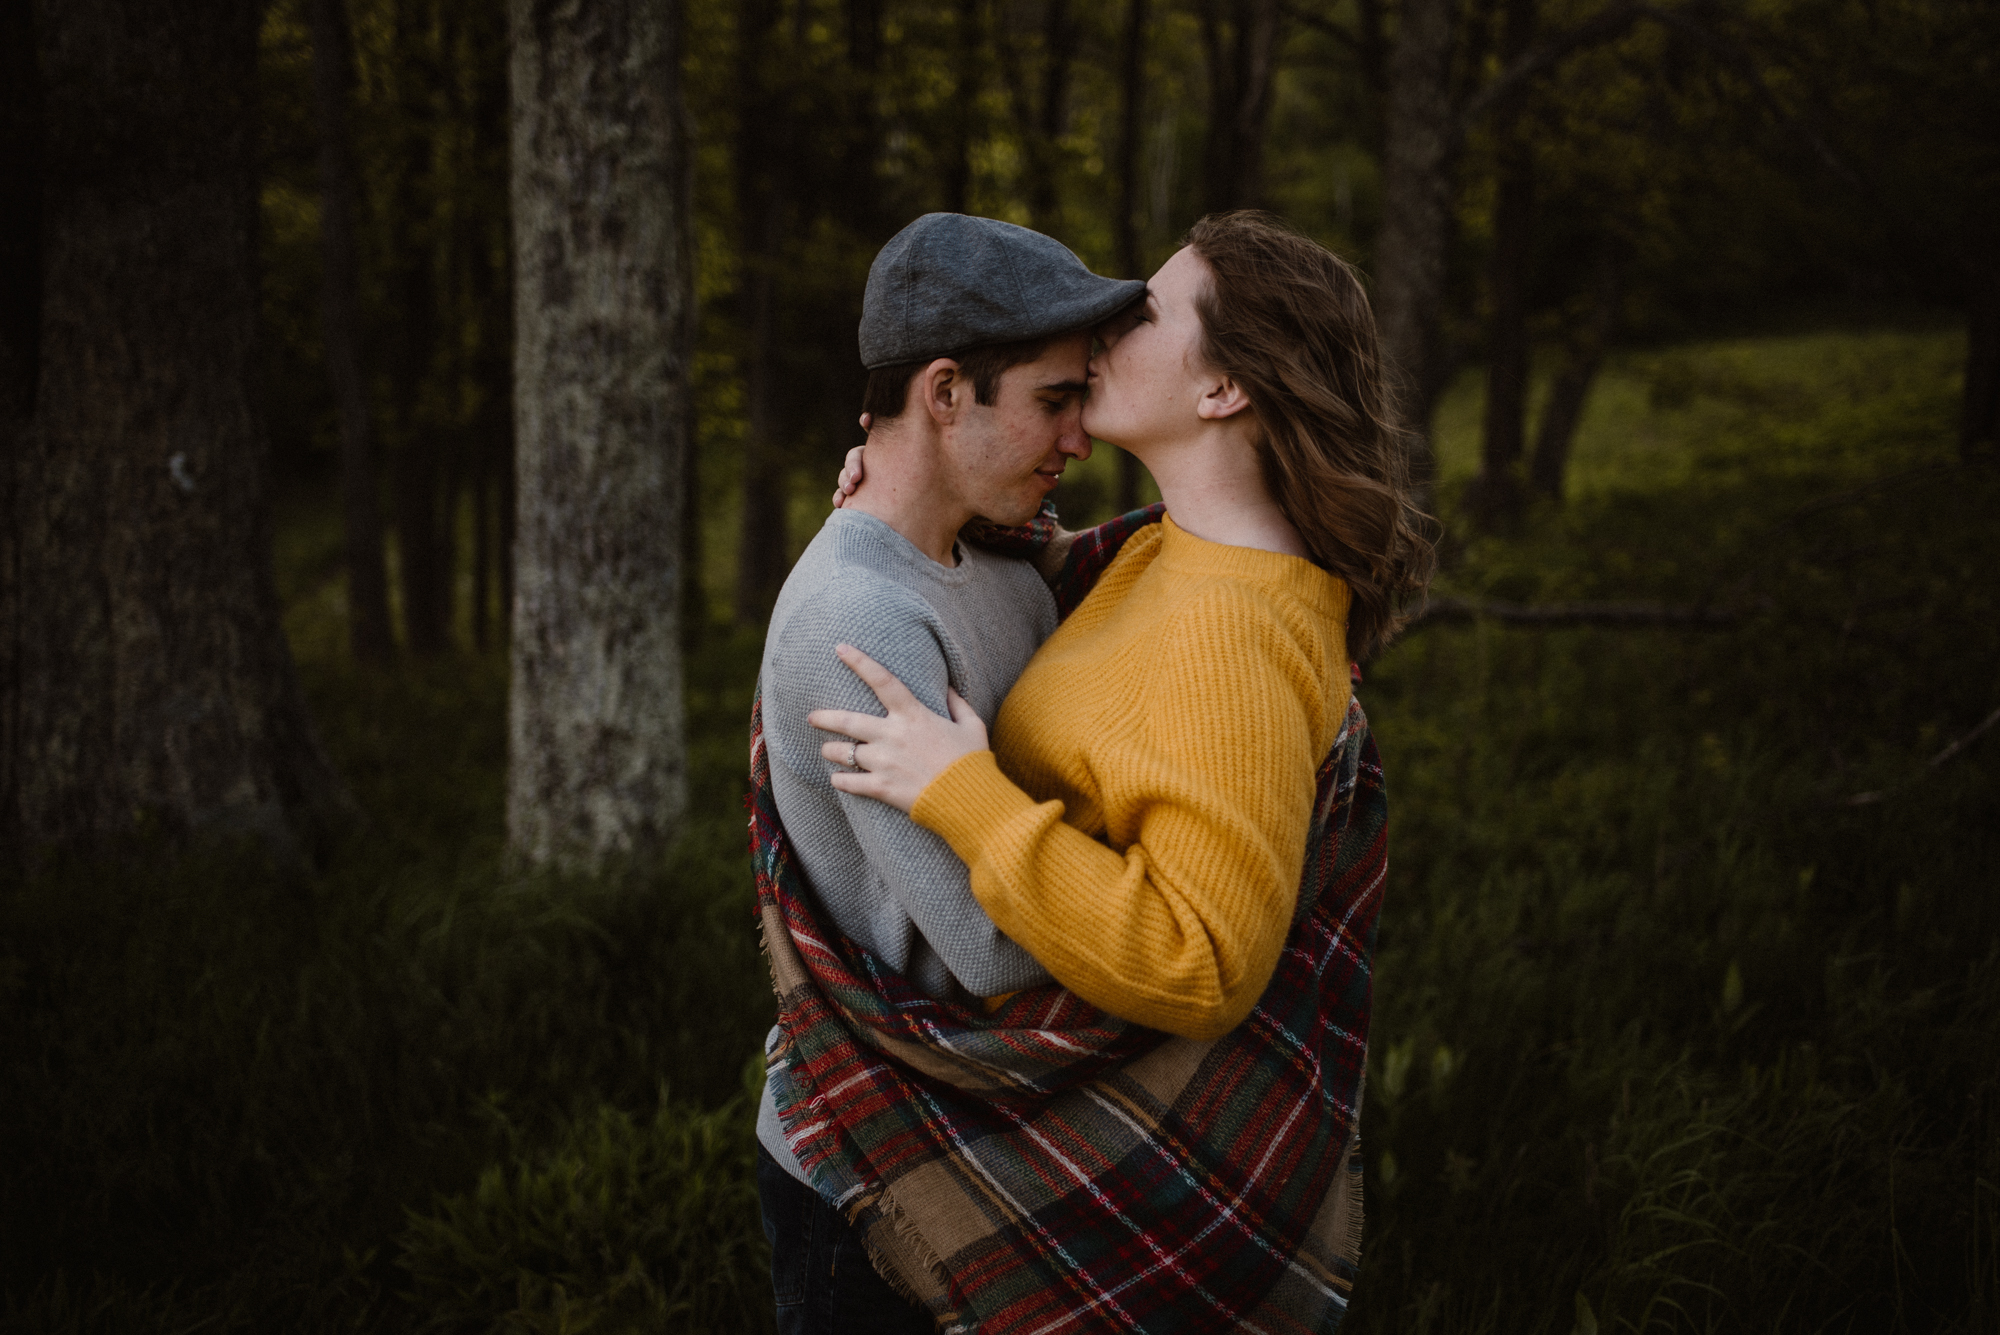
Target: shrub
x: 620, y: 1225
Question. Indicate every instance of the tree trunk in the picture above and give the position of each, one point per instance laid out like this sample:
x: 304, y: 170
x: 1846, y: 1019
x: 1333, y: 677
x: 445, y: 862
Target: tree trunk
x: 597, y: 762
x: 154, y: 690
x: 1497, y: 493
x: 1979, y: 420
x: 492, y: 288
x: 1058, y: 48
x: 1242, y: 59
x: 1571, y: 389
x: 1416, y: 211
x: 1131, y: 124
x: 423, y: 532
x: 862, y: 205
x: 368, y: 635
x: 763, y: 148
x: 957, y: 170
x: 20, y: 337
x: 694, y: 593
x: 1041, y: 109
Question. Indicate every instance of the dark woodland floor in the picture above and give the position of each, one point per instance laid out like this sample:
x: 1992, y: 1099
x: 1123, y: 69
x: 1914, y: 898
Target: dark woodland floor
x: 1670, y: 1035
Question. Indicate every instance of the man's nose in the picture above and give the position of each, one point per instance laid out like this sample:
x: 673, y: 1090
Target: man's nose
x: 1073, y: 442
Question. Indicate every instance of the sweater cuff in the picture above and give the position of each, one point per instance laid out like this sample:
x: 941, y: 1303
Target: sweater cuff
x: 968, y: 802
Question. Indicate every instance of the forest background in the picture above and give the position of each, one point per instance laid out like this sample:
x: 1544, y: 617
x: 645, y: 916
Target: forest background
x: 357, y: 976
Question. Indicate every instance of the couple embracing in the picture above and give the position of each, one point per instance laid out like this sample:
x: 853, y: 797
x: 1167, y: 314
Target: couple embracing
x: 1069, y: 846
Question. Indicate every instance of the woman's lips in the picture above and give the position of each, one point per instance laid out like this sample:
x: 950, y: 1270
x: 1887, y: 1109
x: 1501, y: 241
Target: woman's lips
x: 1049, y: 480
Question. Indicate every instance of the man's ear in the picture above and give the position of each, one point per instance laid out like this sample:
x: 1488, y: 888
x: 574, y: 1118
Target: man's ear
x: 1222, y: 398
x: 943, y: 390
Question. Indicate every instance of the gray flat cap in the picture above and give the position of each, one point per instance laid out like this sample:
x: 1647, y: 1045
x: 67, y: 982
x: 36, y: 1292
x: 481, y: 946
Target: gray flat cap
x: 948, y: 282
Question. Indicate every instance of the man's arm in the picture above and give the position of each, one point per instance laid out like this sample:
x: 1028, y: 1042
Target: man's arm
x: 918, y: 876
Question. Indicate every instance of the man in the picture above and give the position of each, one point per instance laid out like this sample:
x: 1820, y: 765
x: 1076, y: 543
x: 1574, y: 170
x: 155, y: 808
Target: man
x: 976, y: 336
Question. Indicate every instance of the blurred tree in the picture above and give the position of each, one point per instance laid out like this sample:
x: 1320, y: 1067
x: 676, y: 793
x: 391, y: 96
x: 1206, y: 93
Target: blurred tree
x: 1241, y: 39
x: 765, y: 160
x: 369, y: 636
x: 1038, y: 84
x: 1131, y: 120
x: 1586, y: 340
x: 423, y: 500
x: 1410, y: 251
x: 962, y: 121
x: 20, y: 338
x: 1496, y: 493
x: 597, y: 755
x: 153, y: 689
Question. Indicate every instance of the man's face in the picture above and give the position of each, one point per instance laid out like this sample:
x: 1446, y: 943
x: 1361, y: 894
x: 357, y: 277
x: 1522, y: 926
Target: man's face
x: 1007, y: 458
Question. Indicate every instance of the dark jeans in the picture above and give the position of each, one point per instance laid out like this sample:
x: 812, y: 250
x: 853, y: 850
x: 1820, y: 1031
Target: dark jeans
x: 820, y: 1272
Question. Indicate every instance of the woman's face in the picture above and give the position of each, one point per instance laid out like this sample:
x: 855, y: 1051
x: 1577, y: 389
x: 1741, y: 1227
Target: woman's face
x: 1146, y: 382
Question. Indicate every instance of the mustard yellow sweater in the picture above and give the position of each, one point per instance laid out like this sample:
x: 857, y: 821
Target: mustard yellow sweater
x: 1140, y: 825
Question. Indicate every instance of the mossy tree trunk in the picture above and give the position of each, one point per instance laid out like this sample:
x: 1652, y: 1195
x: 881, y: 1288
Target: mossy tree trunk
x: 597, y: 762
x: 152, y: 688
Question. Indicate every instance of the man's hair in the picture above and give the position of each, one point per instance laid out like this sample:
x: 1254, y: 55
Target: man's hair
x: 889, y: 386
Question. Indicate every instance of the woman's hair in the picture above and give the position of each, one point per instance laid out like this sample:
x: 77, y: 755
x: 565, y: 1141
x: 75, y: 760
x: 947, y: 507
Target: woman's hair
x: 1287, y: 319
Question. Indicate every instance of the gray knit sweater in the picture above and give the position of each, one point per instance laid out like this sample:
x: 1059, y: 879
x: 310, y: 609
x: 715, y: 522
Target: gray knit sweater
x: 889, y: 884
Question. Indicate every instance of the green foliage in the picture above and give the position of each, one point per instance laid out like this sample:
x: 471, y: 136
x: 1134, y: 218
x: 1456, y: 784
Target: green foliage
x: 619, y: 1226
x: 1667, y: 1038
x: 1667, y: 1035
x: 228, y: 1082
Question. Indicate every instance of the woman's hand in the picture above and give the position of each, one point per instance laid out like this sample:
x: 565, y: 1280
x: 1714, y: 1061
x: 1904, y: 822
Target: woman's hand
x: 850, y: 472
x: 894, y: 759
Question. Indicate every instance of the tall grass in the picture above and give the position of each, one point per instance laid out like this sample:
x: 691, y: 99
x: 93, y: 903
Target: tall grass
x: 1668, y: 1038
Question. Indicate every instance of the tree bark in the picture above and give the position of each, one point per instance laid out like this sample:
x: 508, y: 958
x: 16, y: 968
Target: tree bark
x: 423, y: 504
x: 694, y: 592
x: 1041, y: 109
x: 1242, y: 59
x: 1567, y: 396
x: 154, y: 691
x: 1131, y: 125
x: 1979, y: 419
x: 957, y: 170
x: 597, y: 762
x: 1416, y: 210
x: 763, y: 150
x: 20, y: 338
x: 1497, y: 493
x: 368, y: 635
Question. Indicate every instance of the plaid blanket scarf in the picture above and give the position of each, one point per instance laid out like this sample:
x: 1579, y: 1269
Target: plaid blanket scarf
x: 1049, y: 1167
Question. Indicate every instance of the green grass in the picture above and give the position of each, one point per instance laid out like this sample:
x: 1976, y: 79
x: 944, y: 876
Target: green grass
x: 1666, y: 1038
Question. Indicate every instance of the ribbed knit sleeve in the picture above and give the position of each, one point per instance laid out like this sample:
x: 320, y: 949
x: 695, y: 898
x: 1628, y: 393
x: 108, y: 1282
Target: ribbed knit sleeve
x: 1203, y: 763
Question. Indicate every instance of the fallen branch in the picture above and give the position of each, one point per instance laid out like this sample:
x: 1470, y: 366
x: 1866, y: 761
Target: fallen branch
x: 1440, y: 610
x: 1883, y: 794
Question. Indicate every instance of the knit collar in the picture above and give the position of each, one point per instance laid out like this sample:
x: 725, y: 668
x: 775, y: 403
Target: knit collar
x: 1181, y: 550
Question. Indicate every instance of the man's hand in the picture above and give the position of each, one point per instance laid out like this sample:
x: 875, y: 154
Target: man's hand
x: 894, y: 759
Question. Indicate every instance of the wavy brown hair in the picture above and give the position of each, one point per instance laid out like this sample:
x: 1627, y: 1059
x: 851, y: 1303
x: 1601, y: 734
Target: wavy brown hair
x: 1288, y: 320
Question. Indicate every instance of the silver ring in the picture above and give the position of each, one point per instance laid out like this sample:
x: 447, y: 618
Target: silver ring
x: 853, y: 749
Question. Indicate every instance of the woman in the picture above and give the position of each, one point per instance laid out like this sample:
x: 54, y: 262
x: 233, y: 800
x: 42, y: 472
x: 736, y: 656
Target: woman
x: 1140, y: 825
x: 1169, y: 762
